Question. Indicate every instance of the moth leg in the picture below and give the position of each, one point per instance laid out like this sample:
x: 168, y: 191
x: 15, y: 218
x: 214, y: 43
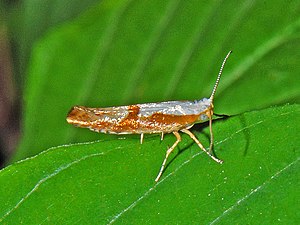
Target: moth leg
x: 162, y: 136
x: 169, y: 151
x: 211, y: 135
x: 200, y: 145
x: 142, y: 138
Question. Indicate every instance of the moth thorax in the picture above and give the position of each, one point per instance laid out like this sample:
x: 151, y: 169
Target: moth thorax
x: 204, y: 104
x: 205, y: 108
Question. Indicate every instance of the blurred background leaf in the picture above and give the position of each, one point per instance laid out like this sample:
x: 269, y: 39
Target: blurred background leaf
x: 112, y: 181
x: 125, y: 52
x: 29, y: 20
x: 22, y: 24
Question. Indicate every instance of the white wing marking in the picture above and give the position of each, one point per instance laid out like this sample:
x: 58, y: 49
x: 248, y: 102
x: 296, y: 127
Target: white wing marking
x: 175, y: 107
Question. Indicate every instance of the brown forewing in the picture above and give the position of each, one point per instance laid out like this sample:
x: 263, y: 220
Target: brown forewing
x: 127, y: 120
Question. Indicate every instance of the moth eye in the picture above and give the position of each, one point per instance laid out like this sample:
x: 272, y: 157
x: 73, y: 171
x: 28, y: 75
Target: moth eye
x: 203, y: 117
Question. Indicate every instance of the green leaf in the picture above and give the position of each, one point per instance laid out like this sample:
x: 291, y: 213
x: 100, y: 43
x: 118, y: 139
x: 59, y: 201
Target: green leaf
x: 112, y: 181
x: 125, y: 52
x: 29, y: 21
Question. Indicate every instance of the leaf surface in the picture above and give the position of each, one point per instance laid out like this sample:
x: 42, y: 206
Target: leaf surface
x: 112, y: 181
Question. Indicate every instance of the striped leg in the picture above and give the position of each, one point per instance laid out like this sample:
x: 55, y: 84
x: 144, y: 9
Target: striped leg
x: 142, y: 138
x: 169, y: 151
x: 201, y: 146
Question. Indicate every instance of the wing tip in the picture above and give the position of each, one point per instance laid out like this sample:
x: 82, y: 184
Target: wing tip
x: 76, y: 114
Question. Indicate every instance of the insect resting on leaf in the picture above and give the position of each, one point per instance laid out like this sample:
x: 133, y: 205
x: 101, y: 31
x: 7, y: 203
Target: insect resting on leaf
x: 149, y: 118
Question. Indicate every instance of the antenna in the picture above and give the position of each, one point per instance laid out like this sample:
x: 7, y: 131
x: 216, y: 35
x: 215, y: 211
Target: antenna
x: 219, y: 76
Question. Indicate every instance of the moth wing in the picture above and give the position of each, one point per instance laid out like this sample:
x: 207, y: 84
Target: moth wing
x: 178, y: 108
x: 81, y: 114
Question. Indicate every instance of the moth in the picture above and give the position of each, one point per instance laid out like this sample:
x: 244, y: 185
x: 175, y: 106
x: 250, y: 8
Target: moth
x: 151, y: 118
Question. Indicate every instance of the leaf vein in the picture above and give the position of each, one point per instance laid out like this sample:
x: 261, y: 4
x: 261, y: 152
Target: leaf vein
x: 240, y: 201
x: 38, y: 184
